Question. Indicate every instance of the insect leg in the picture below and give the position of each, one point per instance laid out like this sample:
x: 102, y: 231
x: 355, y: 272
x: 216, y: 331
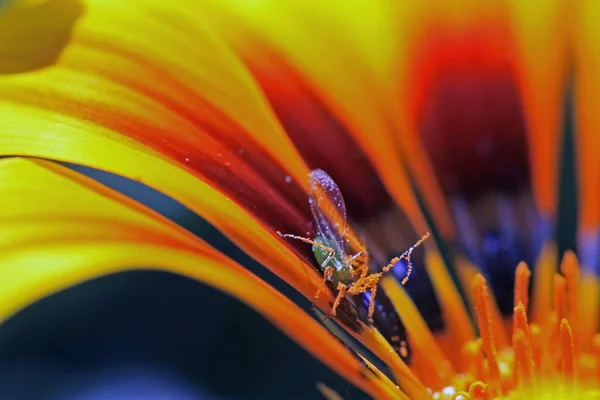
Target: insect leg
x: 306, y: 240
x: 372, y: 300
x: 354, y: 257
x: 326, y: 275
x: 341, y: 293
x: 328, y: 259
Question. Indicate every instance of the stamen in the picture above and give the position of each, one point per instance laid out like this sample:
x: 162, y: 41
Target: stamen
x: 560, y: 297
x: 570, y: 269
x: 522, y: 275
x: 523, y: 357
x: 551, y: 336
x: 472, y: 353
x: 482, y: 306
x: 535, y: 333
x: 541, y: 355
x: 520, y: 319
x: 567, y: 354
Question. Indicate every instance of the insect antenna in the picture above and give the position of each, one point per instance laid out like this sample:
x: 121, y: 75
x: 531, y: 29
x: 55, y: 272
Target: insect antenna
x: 405, y: 256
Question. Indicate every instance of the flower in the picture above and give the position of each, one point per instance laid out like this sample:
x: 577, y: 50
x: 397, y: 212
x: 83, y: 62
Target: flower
x: 224, y: 106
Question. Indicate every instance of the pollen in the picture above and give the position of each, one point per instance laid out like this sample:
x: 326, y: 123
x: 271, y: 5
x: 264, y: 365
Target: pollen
x: 544, y: 359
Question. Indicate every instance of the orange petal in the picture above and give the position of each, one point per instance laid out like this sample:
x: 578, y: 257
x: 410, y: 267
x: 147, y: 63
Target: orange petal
x: 541, y: 32
x: 587, y: 83
x: 586, y: 51
x: 84, y: 230
x: 321, y: 138
x: 346, y: 54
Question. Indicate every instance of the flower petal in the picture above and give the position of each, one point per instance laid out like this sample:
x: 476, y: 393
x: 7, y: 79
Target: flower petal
x: 541, y: 34
x: 346, y: 53
x: 586, y: 42
x: 56, y: 243
x: 147, y: 103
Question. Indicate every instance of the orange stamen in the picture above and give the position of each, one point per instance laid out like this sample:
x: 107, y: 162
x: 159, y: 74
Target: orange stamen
x: 522, y: 275
x: 482, y: 309
x: 551, y: 336
x: 520, y: 319
x: 472, y: 353
x: 535, y: 333
x: 560, y: 297
x: 570, y: 269
x: 542, y: 354
x: 566, y: 351
x: 523, y: 357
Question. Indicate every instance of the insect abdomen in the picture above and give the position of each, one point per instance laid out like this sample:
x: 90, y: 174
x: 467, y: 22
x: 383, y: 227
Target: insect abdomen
x: 341, y: 272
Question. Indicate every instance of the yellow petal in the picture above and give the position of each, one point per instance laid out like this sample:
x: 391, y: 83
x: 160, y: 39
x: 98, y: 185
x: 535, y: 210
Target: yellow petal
x: 139, y: 101
x: 144, y: 91
x: 61, y: 228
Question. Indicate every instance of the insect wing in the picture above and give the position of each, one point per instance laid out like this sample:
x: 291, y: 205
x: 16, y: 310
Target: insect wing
x: 328, y: 208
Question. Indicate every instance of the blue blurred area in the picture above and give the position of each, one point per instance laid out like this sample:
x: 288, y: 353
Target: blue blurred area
x: 35, y: 380
x: 184, y: 338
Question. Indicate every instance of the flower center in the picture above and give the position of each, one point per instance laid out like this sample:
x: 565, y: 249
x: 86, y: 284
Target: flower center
x: 549, y: 358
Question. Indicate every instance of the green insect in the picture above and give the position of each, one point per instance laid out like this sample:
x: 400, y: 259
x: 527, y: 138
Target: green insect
x: 343, y: 258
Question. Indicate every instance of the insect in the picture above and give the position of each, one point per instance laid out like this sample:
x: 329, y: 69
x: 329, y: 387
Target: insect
x: 343, y: 258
